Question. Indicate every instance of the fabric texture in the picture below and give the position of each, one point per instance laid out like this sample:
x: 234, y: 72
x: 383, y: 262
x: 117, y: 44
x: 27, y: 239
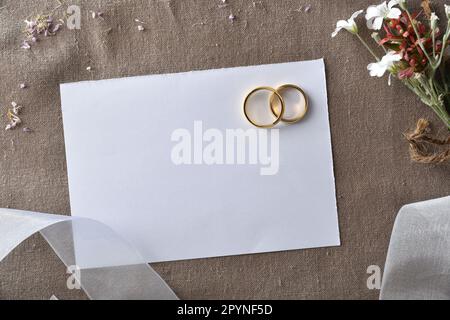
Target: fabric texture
x: 418, y: 263
x: 374, y: 175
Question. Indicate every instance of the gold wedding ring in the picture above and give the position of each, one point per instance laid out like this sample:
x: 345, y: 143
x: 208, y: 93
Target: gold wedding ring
x: 302, y: 114
x: 277, y: 109
x: 274, y: 94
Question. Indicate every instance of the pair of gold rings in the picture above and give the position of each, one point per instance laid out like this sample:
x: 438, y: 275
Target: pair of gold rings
x: 276, y: 94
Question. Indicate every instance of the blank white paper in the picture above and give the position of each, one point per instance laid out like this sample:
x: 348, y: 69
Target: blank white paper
x: 119, y: 148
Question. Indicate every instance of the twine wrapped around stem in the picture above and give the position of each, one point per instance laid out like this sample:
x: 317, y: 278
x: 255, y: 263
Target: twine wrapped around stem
x: 419, y: 142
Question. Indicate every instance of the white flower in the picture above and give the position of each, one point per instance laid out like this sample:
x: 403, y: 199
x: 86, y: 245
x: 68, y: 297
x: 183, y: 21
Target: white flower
x: 349, y: 25
x: 378, y: 69
x: 376, y: 14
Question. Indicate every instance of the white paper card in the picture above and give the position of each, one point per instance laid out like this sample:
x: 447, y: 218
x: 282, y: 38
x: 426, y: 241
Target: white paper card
x: 154, y: 157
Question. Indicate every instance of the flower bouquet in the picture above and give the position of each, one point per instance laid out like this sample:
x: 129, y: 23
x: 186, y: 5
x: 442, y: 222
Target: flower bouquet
x: 414, y: 52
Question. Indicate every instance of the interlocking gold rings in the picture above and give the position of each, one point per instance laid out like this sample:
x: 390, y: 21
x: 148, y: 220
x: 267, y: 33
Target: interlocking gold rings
x: 278, y: 109
x: 274, y: 94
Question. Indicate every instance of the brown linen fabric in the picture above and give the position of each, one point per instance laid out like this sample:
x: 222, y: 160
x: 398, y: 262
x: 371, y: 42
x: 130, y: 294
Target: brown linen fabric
x: 374, y: 175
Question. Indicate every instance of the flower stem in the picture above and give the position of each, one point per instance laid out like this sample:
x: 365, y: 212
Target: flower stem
x: 433, y: 35
x: 367, y: 47
x: 442, y: 114
x: 444, y: 44
x: 431, y: 95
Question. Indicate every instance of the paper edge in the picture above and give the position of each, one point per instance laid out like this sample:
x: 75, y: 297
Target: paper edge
x: 69, y: 84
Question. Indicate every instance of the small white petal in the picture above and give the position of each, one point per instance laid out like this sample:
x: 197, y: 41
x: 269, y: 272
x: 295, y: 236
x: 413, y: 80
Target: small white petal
x: 378, y: 23
x: 377, y: 71
x: 342, y: 24
x: 372, y: 12
x: 393, y: 3
x: 356, y: 14
x: 370, y: 24
x: 394, y: 13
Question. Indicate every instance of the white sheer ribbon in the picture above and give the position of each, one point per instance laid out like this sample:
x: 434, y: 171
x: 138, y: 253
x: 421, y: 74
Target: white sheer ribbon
x: 418, y: 260
x: 108, y: 267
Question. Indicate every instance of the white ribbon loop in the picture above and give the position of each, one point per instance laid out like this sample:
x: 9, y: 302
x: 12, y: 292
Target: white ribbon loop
x: 108, y: 266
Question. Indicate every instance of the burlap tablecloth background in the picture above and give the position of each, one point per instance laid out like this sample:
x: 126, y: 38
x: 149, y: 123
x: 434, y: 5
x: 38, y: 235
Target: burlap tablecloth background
x: 374, y: 176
